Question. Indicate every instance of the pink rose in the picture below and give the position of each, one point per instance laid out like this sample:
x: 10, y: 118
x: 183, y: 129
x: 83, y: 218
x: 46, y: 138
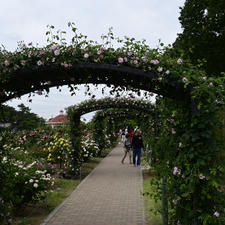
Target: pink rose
x: 175, y: 171
x: 99, y: 52
x: 160, y: 69
x: 135, y: 62
x: 39, y: 63
x: 53, y: 47
x: 167, y: 72
x: 216, y: 214
x: 120, y: 60
x: 173, y: 131
x: 201, y: 177
x: 154, y: 61
x: 86, y: 55
x: 6, y: 62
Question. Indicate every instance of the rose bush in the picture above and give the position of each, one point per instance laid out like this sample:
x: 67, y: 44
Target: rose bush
x: 22, y: 179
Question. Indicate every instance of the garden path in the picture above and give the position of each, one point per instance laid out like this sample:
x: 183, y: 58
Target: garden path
x: 110, y: 195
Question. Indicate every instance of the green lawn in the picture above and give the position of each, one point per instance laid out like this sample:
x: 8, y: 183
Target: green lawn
x: 152, y: 217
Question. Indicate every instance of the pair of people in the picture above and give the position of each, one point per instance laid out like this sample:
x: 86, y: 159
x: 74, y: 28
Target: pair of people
x: 136, y: 144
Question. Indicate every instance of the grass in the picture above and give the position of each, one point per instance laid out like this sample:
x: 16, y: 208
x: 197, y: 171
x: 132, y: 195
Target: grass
x: 35, y: 214
x: 152, y: 217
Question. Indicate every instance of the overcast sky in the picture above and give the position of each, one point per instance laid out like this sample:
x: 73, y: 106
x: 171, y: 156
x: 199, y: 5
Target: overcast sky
x: 27, y: 19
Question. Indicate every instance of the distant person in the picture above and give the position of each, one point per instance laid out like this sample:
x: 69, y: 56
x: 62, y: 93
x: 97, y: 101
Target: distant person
x: 130, y: 132
x: 127, y: 148
x: 126, y: 130
x: 137, y: 145
x: 123, y: 136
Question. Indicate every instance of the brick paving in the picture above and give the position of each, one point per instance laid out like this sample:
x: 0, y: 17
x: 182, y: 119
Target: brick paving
x: 110, y: 195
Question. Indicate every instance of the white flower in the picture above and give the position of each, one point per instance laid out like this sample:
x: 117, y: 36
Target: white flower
x: 4, y: 160
x: 185, y: 80
x: 35, y: 185
x: 31, y: 180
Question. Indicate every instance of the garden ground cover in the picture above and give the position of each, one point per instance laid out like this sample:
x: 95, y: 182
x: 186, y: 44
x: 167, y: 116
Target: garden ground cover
x: 152, y: 217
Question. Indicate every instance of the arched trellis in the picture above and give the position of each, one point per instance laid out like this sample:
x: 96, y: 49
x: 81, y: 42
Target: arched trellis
x: 116, y: 115
x: 75, y: 112
x: 135, y: 66
x: 39, y: 78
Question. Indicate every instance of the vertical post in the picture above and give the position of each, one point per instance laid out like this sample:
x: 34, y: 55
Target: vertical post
x: 75, y: 139
x: 156, y: 135
x: 164, y: 199
x: 164, y: 203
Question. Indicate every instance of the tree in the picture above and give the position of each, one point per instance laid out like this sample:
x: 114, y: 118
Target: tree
x: 22, y: 119
x: 27, y: 120
x: 203, y: 35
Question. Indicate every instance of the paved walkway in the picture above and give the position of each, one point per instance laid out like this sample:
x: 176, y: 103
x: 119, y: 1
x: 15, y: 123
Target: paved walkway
x: 110, y: 195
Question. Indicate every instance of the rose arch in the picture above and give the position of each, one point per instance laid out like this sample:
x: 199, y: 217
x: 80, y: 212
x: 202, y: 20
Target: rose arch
x: 75, y: 112
x: 187, y: 148
x: 107, y: 119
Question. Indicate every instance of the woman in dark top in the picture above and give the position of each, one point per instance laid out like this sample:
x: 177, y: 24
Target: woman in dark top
x: 137, y: 145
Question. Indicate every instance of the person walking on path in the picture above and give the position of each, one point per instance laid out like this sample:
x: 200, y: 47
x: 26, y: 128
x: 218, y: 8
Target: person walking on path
x: 130, y: 132
x: 127, y: 148
x: 137, y: 145
x: 123, y: 136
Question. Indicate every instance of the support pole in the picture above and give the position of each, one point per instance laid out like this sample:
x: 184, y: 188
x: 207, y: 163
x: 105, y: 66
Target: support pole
x: 164, y: 199
x: 164, y: 203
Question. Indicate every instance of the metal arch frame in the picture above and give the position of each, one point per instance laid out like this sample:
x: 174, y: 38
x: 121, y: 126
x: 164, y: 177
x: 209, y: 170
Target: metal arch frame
x: 45, y: 77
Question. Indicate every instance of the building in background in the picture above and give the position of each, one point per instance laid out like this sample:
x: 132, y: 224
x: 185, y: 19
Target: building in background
x: 59, y: 120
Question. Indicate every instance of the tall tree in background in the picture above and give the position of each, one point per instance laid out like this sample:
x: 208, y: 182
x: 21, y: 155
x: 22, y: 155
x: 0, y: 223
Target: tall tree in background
x: 203, y: 37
